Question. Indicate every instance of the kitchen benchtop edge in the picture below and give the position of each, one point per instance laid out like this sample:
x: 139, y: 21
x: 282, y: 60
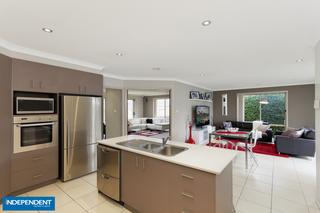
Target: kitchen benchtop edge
x: 200, y: 157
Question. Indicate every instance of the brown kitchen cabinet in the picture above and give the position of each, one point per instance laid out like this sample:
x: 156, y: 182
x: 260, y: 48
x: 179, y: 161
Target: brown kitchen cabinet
x: 75, y: 82
x: 34, y: 77
x: 31, y: 168
x: 152, y: 185
x: 37, y: 77
x: 144, y: 183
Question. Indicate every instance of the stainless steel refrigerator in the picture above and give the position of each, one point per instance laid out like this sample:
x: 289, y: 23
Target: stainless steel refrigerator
x: 80, y: 128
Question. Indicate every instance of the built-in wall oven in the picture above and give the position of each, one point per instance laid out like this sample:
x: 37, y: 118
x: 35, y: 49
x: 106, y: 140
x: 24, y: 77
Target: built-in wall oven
x: 34, y: 132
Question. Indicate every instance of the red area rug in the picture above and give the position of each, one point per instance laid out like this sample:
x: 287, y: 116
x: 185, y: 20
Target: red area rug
x: 146, y: 133
x: 261, y: 148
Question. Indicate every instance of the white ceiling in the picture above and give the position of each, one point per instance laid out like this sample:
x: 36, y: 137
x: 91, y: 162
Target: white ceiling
x: 250, y: 43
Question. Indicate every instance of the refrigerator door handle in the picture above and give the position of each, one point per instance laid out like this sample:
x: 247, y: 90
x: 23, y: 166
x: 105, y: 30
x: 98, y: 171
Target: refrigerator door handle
x: 68, y: 138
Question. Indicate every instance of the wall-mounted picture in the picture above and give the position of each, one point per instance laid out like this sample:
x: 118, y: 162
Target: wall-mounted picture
x: 208, y: 96
x: 194, y: 95
x: 224, y: 104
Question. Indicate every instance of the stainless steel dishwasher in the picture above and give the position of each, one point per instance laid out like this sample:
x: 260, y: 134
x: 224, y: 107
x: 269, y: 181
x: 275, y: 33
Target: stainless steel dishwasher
x: 109, y: 172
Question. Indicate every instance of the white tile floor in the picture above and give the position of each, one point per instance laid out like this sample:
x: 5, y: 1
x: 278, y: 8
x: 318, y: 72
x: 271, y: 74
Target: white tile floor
x: 79, y: 195
x: 277, y: 185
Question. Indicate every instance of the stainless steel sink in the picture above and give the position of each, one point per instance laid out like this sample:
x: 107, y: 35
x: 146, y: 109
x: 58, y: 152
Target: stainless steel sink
x: 171, y: 150
x: 153, y: 147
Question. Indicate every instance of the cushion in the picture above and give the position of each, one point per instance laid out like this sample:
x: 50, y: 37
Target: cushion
x: 309, y: 134
x: 293, y: 133
x: 263, y: 128
x: 149, y: 121
x: 227, y: 125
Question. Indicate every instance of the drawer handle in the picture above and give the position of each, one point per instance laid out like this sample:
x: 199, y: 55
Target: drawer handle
x: 186, y: 211
x: 37, y: 176
x: 187, y: 176
x: 187, y: 195
x: 36, y: 159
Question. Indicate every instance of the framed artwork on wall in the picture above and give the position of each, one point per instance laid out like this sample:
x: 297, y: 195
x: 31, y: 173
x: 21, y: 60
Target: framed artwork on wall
x: 224, y: 98
x: 194, y: 95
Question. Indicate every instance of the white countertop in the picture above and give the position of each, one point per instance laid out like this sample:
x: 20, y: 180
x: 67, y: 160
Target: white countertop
x: 204, y: 158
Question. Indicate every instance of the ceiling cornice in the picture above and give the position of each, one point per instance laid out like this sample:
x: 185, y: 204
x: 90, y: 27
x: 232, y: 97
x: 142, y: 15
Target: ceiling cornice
x: 266, y: 86
x: 20, y: 52
x: 16, y: 51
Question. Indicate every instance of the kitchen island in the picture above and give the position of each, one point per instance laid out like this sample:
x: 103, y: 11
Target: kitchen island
x: 198, y: 179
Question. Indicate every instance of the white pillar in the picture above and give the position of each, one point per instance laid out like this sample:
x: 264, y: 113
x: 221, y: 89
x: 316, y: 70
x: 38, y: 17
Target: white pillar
x: 317, y: 119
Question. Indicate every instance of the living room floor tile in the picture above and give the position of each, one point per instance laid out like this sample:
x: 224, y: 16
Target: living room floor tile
x: 289, y: 182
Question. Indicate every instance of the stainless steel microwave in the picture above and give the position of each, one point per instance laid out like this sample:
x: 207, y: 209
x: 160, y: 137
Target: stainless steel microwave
x: 34, y: 132
x: 35, y: 105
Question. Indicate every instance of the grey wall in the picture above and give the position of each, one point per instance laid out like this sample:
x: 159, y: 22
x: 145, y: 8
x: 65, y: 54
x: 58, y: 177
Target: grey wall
x: 113, y: 112
x: 6, y: 142
x: 138, y: 106
x: 300, y: 104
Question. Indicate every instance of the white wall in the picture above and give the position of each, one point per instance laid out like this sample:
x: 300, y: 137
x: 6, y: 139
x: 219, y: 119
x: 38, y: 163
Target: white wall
x: 317, y: 97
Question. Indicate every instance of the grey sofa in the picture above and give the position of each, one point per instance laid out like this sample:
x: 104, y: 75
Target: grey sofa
x: 303, y: 146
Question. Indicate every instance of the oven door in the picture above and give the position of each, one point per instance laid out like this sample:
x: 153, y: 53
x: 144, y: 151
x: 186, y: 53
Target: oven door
x: 33, y: 136
x: 30, y: 105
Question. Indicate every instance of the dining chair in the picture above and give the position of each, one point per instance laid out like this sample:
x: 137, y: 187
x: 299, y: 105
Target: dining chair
x: 222, y: 143
x: 251, y: 144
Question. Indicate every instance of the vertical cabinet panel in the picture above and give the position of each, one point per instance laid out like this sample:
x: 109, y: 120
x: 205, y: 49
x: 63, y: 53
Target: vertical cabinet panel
x: 131, y: 180
x: 5, y: 125
x: 144, y: 183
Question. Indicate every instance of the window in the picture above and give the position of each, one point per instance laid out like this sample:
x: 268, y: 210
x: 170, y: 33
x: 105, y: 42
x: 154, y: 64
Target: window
x: 268, y: 107
x: 130, y: 109
x: 162, y: 107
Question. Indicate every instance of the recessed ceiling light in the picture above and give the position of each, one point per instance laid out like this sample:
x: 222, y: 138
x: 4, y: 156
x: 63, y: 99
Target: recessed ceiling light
x: 47, y: 30
x: 300, y: 60
x: 206, y: 23
x: 119, y: 54
x: 202, y: 74
x: 156, y: 68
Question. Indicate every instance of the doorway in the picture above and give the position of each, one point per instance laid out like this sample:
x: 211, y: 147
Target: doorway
x: 149, y: 113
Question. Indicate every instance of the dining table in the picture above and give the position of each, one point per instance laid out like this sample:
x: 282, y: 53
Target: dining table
x: 237, y: 135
